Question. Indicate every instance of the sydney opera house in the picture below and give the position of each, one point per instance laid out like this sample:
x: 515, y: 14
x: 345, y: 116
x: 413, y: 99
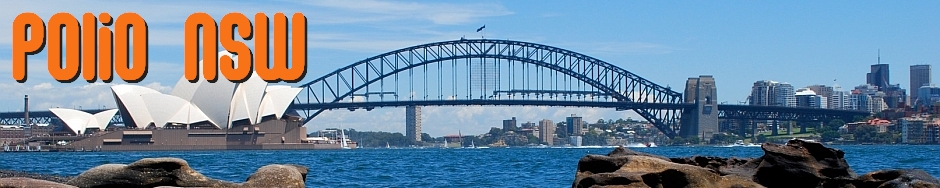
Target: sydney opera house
x: 196, y: 116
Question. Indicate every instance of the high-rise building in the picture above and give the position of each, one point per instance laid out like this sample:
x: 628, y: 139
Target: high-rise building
x: 529, y: 125
x: 809, y: 99
x: 878, y: 102
x: 895, y: 97
x: 839, y: 100
x: 413, y: 123
x: 920, y: 76
x: 575, y: 125
x: 785, y: 95
x: 918, y: 130
x: 822, y: 90
x: 547, y: 131
x: 879, y: 75
x: 860, y: 101
x: 927, y: 95
x: 771, y: 93
x: 509, y: 124
x: 763, y: 93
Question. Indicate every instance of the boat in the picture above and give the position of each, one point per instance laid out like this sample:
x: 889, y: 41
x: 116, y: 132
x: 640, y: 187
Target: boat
x: 740, y: 143
x: 387, y: 146
x: 445, y: 143
x: 343, y: 134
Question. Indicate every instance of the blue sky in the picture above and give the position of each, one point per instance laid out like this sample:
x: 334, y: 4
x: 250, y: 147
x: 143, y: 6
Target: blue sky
x: 739, y: 42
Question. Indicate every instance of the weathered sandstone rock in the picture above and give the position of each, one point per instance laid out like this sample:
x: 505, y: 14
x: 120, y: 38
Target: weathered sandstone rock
x: 174, y: 172
x: 795, y: 164
x: 802, y: 164
x: 624, y: 168
x: 21, y: 182
x: 897, y: 178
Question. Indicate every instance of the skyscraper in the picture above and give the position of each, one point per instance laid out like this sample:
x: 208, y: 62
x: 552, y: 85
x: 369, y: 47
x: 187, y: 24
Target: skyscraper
x: 839, y: 99
x: 920, y: 76
x: 547, y: 132
x: 785, y: 95
x: 574, y: 125
x: 413, y: 123
x: 763, y: 93
x: 807, y: 98
x: 879, y: 76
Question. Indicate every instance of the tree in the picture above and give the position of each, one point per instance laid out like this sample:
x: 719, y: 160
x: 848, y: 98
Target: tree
x: 761, y: 138
x: 601, y: 121
x: 830, y: 135
x: 867, y: 134
x: 496, y: 132
x: 724, y: 138
x: 683, y: 141
x: 835, y: 124
x: 425, y: 137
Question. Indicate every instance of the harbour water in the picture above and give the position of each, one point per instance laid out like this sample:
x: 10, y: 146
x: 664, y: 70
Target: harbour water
x: 410, y: 167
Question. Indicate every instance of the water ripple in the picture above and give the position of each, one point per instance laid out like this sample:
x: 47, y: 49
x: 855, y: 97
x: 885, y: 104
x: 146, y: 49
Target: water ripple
x: 495, y: 167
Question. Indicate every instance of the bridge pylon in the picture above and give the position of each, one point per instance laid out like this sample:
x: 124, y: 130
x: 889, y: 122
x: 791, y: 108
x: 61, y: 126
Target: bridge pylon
x: 702, y: 120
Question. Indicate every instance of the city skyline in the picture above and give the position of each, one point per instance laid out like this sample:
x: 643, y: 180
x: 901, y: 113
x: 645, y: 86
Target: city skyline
x: 806, y: 44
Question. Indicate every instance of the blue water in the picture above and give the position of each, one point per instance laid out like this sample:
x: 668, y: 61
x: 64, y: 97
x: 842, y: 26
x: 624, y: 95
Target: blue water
x: 493, y: 167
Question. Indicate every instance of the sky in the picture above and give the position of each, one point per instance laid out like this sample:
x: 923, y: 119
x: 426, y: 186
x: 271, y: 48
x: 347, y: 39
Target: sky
x: 738, y: 42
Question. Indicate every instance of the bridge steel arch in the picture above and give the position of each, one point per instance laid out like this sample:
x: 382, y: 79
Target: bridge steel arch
x: 582, y: 75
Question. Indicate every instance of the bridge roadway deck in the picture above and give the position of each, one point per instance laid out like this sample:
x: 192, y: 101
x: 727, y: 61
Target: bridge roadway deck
x: 597, y: 104
x: 727, y: 111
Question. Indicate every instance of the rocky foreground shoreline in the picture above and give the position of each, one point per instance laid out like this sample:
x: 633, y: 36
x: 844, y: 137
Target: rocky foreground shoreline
x: 155, y: 172
x: 797, y: 163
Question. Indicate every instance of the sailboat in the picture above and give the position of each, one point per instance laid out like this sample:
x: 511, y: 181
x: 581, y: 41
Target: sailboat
x: 387, y: 146
x: 445, y: 143
x: 343, y: 137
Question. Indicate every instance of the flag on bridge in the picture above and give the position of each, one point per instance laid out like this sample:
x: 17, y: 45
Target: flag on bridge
x: 481, y: 28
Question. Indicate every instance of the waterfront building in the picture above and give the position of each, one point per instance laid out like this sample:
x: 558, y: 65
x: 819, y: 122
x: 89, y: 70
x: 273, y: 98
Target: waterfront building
x: 919, y: 130
x: 772, y: 93
x: 860, y: 101
x: 878, y: 102
x: 895, y: 97
x: 763, y: 93
x: 547, y: 132
x: 879, y: 76
x: 413, y: 123
x: 11, y: 131
x: 785, y: 95
x: 821, y: 90
x: 509, y: 124
x: 529, y: 125
x: 575, y: 125
x: 825, y: 91
x: 809, y: 99
x: 927, y: 95
x: 575, y: 141
x: 196, y: 116
x: 839, y: 99
x: 920, y: 76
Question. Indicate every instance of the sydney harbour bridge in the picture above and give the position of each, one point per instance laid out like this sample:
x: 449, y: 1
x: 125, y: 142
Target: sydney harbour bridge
x: 514, y: 73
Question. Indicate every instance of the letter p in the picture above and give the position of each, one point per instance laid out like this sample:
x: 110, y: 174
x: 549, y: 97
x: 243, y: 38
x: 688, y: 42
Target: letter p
x: 24, y: 44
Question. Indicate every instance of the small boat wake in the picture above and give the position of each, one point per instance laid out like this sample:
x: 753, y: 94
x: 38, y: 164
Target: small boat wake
x: 740, y: 143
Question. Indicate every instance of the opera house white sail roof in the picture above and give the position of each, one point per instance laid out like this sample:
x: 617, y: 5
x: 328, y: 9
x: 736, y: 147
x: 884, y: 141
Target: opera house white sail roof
x: 218, y: 104
x: 79, y: 121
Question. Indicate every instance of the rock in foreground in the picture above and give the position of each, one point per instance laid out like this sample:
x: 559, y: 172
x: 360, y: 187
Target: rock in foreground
x: 795, y: 164
x: 174, y: 172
